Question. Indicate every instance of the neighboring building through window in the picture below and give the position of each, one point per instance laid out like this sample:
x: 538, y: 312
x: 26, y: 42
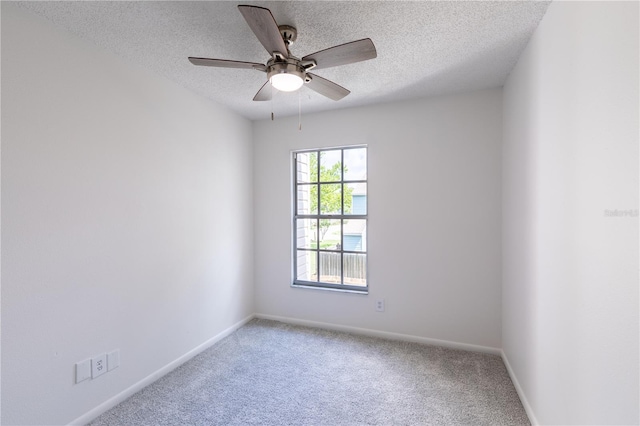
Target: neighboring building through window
x: 330, y: 218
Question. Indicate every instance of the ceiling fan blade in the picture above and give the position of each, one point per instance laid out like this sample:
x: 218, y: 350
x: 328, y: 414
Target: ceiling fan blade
x: 223, y: 63
x: 348, y: 53
x: 265, y: 93
x: 327, y: 88
x: 264, y: 26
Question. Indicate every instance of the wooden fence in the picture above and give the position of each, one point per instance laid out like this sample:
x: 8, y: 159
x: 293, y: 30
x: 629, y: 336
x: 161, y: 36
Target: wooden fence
x: 355, y: 268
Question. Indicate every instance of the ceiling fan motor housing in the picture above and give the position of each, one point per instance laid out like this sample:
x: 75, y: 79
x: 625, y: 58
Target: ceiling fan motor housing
x: 287, y: 66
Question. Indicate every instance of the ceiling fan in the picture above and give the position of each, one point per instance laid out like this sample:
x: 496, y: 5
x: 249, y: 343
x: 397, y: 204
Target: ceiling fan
x: 284, y: 71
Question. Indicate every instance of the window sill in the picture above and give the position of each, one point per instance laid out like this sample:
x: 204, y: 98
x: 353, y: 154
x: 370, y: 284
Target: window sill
x: 363, y: 291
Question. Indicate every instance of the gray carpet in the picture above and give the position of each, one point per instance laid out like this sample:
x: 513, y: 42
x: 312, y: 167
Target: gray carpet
x: 270, y: 373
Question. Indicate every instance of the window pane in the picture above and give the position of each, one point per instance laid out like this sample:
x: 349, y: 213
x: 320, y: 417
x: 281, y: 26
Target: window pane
x: 355, y: 164
x: 355, y: 269
x: 330, y: 267
x: 330, y: 234
x: 354, y: 235
x: 307, y: 166
x: 306, y: 265
x: 307, y: 233
x: 355, y: 198
x: 330, y: 166
x: 330, y: 198
x: 307, y: 199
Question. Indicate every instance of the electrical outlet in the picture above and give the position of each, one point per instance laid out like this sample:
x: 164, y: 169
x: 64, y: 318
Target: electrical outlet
x: 113, y: 360
x: 98, y: 366
x: 380, y: 305
x: 83, y: 370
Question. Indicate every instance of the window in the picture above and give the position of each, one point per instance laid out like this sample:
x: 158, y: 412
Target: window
x: 330, y: 218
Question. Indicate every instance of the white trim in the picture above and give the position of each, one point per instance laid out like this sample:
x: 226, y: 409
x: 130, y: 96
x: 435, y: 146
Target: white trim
x: 339, y: 290
x: 525, y: 402
x: 384, y: 334
x: 117, y: 399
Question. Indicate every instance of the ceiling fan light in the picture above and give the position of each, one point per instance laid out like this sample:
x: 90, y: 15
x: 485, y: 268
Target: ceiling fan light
x: 286, y: 82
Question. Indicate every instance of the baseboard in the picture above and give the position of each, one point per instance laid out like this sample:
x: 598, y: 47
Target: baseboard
x: 384, y: 334
x: 112, y: 402
x: 523, y: 398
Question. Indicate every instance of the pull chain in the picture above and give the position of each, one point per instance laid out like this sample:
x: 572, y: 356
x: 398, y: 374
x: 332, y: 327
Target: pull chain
x: 299, y: 112
x: 271, y: 101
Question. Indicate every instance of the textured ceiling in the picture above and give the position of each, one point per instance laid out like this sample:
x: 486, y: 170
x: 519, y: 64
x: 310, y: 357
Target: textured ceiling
x: 424, y: 48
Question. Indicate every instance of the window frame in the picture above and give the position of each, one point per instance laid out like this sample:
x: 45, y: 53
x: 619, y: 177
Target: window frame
x: 295, y: 282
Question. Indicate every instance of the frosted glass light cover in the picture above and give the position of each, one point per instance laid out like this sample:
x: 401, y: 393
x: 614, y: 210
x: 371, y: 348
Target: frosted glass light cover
x: 286, y: 82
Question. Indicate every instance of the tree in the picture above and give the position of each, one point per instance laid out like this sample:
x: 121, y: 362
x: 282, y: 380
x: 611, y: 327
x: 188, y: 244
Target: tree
x: 330, y: 199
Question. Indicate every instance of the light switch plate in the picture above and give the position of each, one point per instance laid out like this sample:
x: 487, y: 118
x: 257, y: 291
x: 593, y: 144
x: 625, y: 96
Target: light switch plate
x: 83, y: 370
x: 98, y: 366
x: 113, y: 359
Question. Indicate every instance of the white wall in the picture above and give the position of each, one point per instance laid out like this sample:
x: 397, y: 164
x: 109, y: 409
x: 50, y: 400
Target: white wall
x: 570, y: 273
x: 126, y: 221
x: 434, y: 217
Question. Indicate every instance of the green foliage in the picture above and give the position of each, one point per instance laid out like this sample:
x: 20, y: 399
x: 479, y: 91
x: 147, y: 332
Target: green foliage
x: 330, y: 194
